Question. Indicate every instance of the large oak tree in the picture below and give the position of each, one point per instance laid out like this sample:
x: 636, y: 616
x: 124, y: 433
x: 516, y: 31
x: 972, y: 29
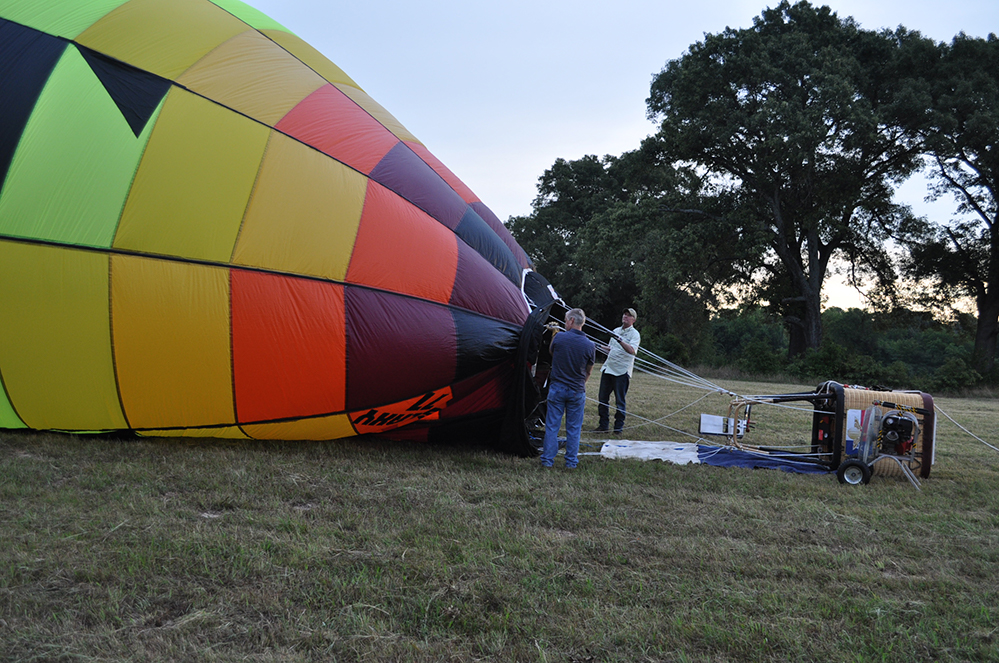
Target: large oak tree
x: 802, y: 117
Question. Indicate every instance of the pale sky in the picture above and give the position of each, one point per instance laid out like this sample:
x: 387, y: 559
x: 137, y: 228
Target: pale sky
x: 499, y: 91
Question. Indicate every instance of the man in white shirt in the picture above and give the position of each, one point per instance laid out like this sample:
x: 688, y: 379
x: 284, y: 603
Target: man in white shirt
x: 615, y: 376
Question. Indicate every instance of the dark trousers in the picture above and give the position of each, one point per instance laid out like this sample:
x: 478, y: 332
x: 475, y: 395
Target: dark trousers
x: 619, y: 385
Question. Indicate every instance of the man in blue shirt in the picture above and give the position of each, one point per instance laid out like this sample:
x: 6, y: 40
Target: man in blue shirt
x: 573, y: 356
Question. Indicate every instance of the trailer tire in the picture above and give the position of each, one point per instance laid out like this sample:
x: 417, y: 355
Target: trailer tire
x: 854, y: 472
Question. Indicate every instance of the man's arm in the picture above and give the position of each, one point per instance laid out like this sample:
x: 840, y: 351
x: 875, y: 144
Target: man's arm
x: 628, y: 347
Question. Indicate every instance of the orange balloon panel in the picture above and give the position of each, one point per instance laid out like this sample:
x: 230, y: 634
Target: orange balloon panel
x: 401, y: 248
x: 316, y: 428
x: 288, y: 346
x: 386, y: 417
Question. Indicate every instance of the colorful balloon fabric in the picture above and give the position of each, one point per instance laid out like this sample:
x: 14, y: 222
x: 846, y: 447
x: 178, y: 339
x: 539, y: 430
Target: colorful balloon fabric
x: 208, y: 229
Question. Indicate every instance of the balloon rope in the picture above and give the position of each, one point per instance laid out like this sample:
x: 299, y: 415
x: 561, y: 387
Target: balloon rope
x: 965, y: 429
x: 667, y: 370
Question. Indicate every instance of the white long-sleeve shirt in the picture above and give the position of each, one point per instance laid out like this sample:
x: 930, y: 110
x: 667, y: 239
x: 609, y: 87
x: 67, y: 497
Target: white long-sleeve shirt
x: 619, y: 361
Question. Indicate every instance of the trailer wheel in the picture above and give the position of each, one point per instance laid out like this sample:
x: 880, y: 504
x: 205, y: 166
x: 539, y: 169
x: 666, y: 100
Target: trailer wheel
x: 854, y: 472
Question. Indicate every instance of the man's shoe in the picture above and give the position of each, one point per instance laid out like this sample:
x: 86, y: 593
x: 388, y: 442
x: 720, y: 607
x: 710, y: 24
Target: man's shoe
x: 598, y: 429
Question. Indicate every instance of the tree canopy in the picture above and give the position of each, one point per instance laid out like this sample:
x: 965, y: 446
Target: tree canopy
x: 607, y: 232
x: 960, y: 256
x: 803, y: 116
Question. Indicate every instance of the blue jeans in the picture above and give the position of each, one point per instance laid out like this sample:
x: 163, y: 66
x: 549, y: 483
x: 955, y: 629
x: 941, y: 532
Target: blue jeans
x: 563, y: 399
x: 619, y: 385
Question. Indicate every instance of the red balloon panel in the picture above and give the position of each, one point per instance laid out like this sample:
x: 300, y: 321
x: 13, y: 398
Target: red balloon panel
x: 333, y: 124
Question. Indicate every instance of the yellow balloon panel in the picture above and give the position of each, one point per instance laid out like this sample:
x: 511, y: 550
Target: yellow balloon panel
x: 194, y: 181
x: 318, y: 428
x: 304, y: 213
x: 55, y: 340
x: 253, y: 75
x: 162, y: 36
x: 171, y: 341
x: 310, y: 56
x: 225, y: 433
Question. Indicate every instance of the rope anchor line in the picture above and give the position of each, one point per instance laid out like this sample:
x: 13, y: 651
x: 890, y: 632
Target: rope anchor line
x: 653, y: 365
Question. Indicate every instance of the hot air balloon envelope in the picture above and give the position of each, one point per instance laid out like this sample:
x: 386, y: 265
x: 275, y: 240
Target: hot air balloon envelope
x: 208, y: 229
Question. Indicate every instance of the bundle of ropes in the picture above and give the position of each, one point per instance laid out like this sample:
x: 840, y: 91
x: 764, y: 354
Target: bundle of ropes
x: 658, y: 367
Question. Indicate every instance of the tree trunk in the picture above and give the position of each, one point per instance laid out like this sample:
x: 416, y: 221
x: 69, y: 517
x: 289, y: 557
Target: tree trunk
x: 796, y: 344
x: 986, y: 333
x: 813, y: 320
x: 804, y: 326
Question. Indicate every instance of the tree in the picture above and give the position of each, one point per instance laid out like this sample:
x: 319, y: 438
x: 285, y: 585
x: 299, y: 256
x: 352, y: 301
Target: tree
x: 606, y: 232
x: 961, y: 258
x: 802, y: 117
x: 560, y: 232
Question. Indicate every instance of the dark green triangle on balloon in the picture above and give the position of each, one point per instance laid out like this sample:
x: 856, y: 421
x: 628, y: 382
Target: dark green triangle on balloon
x: 137, y: 93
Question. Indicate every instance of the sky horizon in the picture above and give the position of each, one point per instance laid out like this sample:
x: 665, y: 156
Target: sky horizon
x: 499, y: 94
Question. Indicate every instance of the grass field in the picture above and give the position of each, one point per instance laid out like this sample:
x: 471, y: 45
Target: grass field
x: 202, y: 550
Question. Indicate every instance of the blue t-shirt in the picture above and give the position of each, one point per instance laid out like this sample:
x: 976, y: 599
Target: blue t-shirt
x: 572, y: 353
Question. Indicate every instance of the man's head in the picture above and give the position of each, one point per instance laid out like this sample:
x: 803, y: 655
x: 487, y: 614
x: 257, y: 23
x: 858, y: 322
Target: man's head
x: 575, y: 318
x: 628, y: 317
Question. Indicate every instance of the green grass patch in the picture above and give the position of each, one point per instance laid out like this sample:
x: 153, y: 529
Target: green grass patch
x: 371, y: 550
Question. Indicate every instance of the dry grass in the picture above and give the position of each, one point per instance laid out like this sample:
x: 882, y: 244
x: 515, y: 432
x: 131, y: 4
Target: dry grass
x: 376, y: 551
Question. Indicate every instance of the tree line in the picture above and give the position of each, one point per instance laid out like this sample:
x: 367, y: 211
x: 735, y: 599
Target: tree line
x: 778, y: 152
x: 897, y: 349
